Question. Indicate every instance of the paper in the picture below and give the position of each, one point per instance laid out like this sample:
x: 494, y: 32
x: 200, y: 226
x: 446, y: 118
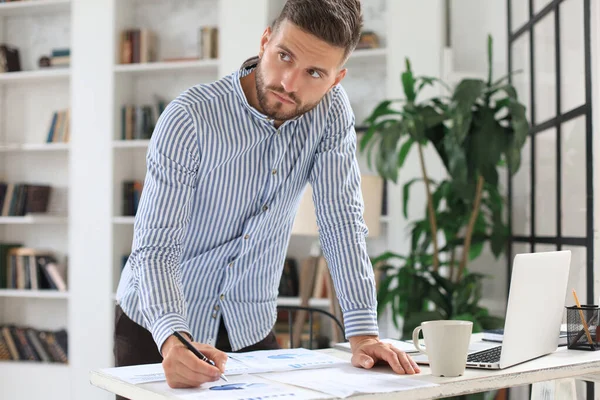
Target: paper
x: 239, y: 387
x: 407, y: 347
x: 237, y: 364
x: 137, y: 374
x: 347, y: 380
x: 285, y: 360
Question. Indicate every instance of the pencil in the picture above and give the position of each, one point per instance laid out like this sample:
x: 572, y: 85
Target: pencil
x: 196, y: 352
x: 587, y: 331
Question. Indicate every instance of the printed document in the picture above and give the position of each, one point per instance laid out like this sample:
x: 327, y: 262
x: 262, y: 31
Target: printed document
x: 238, y: 363
x: 345, y: 381
x: 239, y: 387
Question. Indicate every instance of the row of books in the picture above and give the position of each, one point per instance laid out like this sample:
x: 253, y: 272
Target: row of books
x: 28, y: 268
x: 59, y: 131
x: 21, y: 343
x: 138, y: 46
x: 19, y: 199
x: 132, y: 191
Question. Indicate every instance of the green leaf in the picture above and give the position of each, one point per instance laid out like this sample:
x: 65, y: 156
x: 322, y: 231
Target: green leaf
x: 388, y: 255
x: 404, y: 150
x: 408, y: 83
x: 465, y: 95
x: 490, y: 51
x: 383, y: 108
x: 475, y: 250
x: 405, y: 195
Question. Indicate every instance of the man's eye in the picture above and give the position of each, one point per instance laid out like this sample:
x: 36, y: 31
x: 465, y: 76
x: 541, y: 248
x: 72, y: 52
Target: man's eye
x: 283, y: 56
x: 314, y: 73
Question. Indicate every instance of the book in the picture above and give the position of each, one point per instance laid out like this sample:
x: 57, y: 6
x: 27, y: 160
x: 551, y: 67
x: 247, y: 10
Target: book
x: 497, y: 335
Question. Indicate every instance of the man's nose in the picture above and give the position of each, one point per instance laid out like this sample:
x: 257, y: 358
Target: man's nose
x: 290, y: 81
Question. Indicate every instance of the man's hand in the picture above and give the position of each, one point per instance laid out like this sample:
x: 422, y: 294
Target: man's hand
x: 183, y: 369
x: 368, y: 350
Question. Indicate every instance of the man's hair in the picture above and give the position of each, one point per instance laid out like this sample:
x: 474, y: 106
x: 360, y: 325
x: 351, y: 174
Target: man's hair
x: 337, y: 22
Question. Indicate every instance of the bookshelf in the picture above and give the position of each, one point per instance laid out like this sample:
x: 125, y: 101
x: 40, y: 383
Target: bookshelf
x: 28, y: 100
x: 88, y: 224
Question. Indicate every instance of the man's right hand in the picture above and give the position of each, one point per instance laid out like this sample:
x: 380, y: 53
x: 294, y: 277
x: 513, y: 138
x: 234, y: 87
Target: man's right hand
x: 184, y: 370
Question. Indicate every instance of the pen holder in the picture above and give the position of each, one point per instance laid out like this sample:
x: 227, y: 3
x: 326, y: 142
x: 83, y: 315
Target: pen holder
x: 577, y: 330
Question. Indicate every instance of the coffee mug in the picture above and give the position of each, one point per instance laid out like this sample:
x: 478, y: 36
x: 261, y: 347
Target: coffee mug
x: 446, y: 345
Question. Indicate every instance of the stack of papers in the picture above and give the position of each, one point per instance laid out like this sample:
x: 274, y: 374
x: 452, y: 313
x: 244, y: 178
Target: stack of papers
x: 253, y: 362
x: 278, y: 374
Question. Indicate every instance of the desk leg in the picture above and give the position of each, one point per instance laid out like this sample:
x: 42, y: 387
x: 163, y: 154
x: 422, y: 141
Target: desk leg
x: 558, y: 389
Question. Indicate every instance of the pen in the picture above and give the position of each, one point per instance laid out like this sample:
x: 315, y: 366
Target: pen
x: 196, y: 352
x: 587, y: 331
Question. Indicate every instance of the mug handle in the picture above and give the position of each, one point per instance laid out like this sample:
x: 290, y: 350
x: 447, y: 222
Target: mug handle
x: 415, y: 337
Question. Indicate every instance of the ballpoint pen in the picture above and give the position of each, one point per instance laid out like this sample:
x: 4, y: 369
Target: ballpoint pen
x: 196, y: 351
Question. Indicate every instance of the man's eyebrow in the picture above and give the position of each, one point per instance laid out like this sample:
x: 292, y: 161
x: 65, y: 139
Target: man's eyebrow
x: 291, y: 53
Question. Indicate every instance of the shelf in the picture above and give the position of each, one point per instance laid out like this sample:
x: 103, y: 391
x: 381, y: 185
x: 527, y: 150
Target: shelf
x: 123, y: 220
x: 34, y: 147
x: 295, y: 301
x: 45, y: 380
x: 365, y: 54
x: 157, y: 67
x: 34, y: 76
x: 33, y: 7
x: 33, y: 219
x: 34, y: 294
x: 131, y: 144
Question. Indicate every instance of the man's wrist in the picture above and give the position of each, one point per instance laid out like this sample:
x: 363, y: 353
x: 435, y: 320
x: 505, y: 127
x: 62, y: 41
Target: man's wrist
x: 356, y: 341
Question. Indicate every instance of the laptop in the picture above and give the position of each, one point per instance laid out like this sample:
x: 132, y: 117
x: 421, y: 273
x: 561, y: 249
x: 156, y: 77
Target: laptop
x: 534, y: 313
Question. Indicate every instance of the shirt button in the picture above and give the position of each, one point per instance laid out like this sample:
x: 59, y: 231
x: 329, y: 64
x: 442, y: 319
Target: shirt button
x: 246, y: 237
x: 230, y: 264
x: 214, y: 317
x: 222, y: 297
x: 217, y: 307
x: 274, y: 171
x: 265, y: 208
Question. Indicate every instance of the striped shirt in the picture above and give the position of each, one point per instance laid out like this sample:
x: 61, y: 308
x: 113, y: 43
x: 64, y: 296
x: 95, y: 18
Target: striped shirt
x: 214, y: 220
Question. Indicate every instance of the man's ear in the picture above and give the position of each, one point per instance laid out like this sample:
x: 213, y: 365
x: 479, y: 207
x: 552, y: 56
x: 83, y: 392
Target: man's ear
x: 264, y: 40
x: 339, y: 77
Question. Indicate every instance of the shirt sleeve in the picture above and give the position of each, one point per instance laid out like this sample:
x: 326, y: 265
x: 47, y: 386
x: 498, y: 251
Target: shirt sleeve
x: 335, y: 180
x: 161, y: 221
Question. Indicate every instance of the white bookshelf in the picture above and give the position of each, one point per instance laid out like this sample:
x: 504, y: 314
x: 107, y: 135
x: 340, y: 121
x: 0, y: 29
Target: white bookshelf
x: 34, y: 294
x: 170, y: 66
x: 34, y: 220
x: 28, y: 99
x: 30, y: 77
x: 34, y: 147
x: 33, y: 7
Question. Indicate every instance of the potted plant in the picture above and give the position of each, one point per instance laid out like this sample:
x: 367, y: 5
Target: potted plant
x: 477, y: 129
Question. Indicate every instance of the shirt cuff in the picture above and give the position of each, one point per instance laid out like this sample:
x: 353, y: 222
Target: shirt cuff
x: 163, y: 328
x: 361, y: 322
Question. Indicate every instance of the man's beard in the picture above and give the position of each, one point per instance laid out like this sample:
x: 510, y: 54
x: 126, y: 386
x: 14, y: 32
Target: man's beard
x: 275, y: 111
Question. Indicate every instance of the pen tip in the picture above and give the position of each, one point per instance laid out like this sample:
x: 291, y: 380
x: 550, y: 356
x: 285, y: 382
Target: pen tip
x: 225, y: 379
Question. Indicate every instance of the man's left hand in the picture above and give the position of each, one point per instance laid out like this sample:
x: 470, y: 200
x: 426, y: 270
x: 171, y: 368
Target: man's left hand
x: 368, y: 350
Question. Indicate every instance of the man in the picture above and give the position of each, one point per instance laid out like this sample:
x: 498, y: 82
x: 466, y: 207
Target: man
x: 226, y: 167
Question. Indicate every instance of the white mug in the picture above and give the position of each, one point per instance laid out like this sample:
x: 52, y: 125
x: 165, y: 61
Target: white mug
x: 446, y: 345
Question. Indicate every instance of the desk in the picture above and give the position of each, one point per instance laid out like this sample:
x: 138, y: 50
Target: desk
x: 551, y: 374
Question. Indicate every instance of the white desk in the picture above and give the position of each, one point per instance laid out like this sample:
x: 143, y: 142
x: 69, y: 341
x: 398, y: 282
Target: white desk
x: 554, y: 373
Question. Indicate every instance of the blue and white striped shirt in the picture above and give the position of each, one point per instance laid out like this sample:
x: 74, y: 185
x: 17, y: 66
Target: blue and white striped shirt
x: 220, y: 196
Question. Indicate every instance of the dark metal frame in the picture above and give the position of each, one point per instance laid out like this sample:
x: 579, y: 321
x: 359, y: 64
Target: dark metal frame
x: 292, y: 310
x: 556, y: 122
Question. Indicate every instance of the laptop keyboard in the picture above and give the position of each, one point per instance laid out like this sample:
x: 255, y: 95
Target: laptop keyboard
x: 486, y: 356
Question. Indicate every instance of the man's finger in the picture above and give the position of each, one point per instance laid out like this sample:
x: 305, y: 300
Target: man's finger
x: 414, y: 364
x: 389, y: 355
x: 405, y: 361
x: 362, y: 360
x: 219, y: 357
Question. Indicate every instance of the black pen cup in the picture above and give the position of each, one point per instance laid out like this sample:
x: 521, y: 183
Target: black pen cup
x: 583, y: 327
